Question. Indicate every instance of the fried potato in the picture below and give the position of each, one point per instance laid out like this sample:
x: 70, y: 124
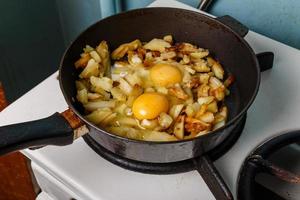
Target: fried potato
x: 91, y: 69
x: 103, y: 51
x: 82, y: 62
x: 157, y: 136
x: 122, y: 50
x: 193, y: 106
x: 179, y: 127
x: 157, y: 45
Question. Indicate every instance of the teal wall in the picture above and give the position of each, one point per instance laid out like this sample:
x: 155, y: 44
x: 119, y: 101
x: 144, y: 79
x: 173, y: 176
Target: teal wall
x: 278, y: 19
x: 31, y: 44
x: 76, y: 15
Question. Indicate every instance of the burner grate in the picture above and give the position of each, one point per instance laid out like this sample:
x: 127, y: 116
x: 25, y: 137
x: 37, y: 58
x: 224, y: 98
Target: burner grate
x: 164, y: 168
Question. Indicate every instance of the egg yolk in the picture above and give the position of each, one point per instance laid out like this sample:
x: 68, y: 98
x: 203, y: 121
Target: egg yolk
x: 164, y: 74
x: 150, y: 105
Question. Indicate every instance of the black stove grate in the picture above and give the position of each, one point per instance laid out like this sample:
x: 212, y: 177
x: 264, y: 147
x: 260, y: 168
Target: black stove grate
x: 165, y: 168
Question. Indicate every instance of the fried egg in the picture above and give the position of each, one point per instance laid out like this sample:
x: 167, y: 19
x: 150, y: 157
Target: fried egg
x: 150, y: 105
x: 163, y: 74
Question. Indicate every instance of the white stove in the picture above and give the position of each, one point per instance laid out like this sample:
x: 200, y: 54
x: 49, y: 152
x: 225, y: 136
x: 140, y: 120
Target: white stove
x: 76, y: 171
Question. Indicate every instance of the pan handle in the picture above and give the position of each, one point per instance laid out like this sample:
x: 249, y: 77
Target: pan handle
x: 265, y: 60
x: 212, y: 178
x: 58, y: 129
x: 234, y: 24
x: 270, y: 168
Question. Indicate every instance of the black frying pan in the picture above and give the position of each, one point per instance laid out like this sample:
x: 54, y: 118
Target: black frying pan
x: 222, y: 36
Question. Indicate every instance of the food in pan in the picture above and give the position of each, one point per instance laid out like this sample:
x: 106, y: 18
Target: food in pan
x: 154, y: 91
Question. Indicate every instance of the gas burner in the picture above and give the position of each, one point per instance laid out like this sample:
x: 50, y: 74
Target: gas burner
x: 258, y: 163
x: 165, y: 168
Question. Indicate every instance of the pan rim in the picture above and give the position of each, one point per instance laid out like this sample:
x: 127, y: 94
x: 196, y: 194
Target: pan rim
x: 210, y: 134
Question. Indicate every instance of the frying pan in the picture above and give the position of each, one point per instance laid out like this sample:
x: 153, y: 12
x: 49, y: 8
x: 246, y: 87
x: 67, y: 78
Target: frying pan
x: 222, y: 36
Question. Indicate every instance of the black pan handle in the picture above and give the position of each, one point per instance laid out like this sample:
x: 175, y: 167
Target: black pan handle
x: 234, y: 24
x: 212, y: 178
x: 53, y: 130
x: 265, y: 60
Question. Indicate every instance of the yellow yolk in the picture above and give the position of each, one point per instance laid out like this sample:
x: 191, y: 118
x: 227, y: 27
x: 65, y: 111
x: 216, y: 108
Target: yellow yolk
x: 164, y: 74
x: 150, y: 105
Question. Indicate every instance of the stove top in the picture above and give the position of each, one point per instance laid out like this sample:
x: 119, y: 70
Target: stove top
x: 79, y: 168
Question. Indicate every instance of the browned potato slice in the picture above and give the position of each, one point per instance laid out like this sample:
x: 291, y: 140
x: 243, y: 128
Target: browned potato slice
x: 133, y: 79
x: 194, y: 126
x: 103, y: 83
x: 200, y: 54
x: 91, y: 106
x: 118, y: 94
x: 179, y: 127
x: 134, y: 59
x: 204, y: 78
x: 201, y: 111
x: 207, y: 117
x: 224, y: 112
x: 218, y: 93
x: 178, y: 92
x: 93, y: 96
x: 157, y: 45
x: 221, y: 115
x: 103, y: 51
x: 82, y: 84
x: 186, y: 59
x: 186, y: 48
x: 91, y: 69
x: 98, y: 115
x: 168, y: 38
x: 82, y: 96
x: 165, y: 120
x: 215, y: 83
x: 176, y: 110
x: 162, y: 90
x: 109, y: 119
x: 218, y: 125
x: 210, y: 61
x: 149, y: 124
x: 105, y: 95
x: 168, y: 55
x: 122, y: 50
x: 157, y: 136
x: 218, y: 70
x: 203, y: 90
x: 125, y: 86
x: 127, y: 121
x: 194, y: 82
x: 212, y: 107
x: 95, y: 56
x: 205, y: 100
x: 121, y: 131
x: 120, y: 108
x: 229, y: 80
x: 201, y: 68
x: 82, y: 62
x: 189, y: 110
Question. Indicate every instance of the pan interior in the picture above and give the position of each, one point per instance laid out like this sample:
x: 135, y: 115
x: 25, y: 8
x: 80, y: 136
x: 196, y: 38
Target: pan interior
x: 185, y: 26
